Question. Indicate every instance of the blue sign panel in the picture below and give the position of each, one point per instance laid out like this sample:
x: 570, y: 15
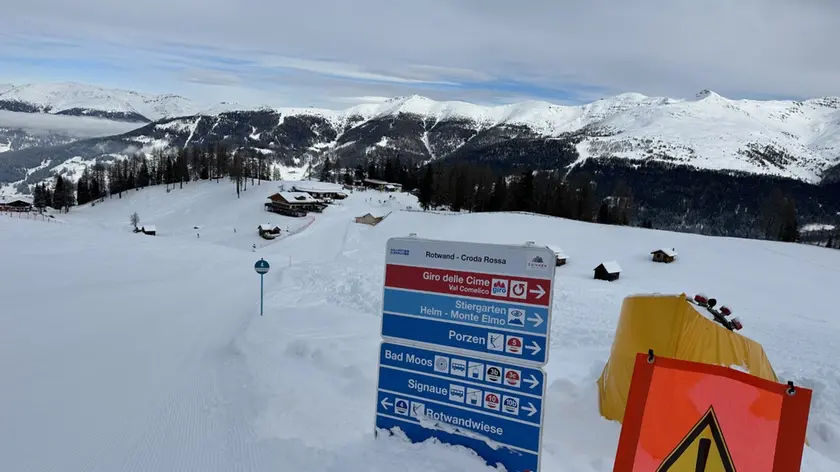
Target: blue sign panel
x: 493, y: 408
x: 475, y: 312
x: 262, y: 266
x: 517, y: 346
x: 466, y: 328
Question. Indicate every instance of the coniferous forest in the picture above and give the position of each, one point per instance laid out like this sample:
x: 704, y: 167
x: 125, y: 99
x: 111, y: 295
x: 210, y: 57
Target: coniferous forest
x: 607, y: 193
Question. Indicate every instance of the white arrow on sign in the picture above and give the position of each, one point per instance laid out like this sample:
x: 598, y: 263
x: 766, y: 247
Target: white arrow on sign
x: 534, y: 348
x: 533, y: 381
x: 539, y: 291
x: 531, y: 409
x: 537, y: 320
x: 385, y: 403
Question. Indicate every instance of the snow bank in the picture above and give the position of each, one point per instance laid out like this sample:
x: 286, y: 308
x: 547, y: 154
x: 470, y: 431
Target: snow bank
x: 149, y: 353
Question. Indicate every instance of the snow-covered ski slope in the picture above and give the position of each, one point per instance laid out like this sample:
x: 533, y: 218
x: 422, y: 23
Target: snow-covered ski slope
x: 125, y: 352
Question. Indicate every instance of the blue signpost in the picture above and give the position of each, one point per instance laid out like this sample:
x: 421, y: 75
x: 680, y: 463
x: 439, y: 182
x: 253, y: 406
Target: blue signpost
x: 466, y: 332
x: 261, y: 267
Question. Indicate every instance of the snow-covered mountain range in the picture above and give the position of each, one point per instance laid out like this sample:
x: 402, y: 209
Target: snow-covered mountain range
x: 74, y: 99
x: 793, y: 139
x: 796, y: 139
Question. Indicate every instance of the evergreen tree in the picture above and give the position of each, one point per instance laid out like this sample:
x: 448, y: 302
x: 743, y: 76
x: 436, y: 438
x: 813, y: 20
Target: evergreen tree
x: 59, y: 194
x: 182, y: 167
x: 326, y: 170
x: 499, y: 195
x: 427, y: 188
x: 789, y: 224
x: 236, y: 172
x: 39, y: 198
x: 604, y: 214
x: 83, y: 188
x: 458, y: 179
x: 260, y: 159
x: 372, y: 172
x: 144, y: 177
x: 523, y: 192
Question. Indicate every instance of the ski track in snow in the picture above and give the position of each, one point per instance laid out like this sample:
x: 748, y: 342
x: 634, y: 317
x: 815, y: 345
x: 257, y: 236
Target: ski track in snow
x: 135, y: 353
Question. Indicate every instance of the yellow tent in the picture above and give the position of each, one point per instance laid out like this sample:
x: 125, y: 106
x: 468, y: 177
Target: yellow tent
x: 672, y: 327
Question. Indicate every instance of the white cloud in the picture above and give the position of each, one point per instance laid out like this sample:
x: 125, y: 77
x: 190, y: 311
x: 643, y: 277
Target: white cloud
x: 200, y: 75
x: 340, y: 69
x: 318, y: 51
x: 363, y: 99
x: 76, y: 126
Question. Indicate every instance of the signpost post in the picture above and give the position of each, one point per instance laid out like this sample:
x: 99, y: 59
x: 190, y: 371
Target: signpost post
x: 261, y: 267
x: 466, y: 331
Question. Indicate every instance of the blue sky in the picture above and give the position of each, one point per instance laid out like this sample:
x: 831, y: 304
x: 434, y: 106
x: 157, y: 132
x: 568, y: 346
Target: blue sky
x: 333, y: 54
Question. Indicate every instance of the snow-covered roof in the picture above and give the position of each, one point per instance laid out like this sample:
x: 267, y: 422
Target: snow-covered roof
x: 297, y: 197
x: 382, y: 182
x: 668, y: 252
x: 317, y: 187
x: 16, y: 199
x: 149, y: 228
x: 374, y: 214
x: 268, y: 227
x: 557, y: 250
x: 817, y: 227
x: 611, y: 266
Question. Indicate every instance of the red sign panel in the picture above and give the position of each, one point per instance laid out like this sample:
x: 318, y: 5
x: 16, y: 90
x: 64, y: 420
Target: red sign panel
x: 469, y: 284
x: 687, y: 416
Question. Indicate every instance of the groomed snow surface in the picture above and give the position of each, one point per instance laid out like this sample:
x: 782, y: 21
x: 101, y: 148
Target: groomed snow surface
x: 127, y: 352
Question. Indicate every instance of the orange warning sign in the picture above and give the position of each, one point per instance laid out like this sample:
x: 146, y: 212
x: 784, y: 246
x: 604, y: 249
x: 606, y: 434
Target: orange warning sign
x: 684, y: 416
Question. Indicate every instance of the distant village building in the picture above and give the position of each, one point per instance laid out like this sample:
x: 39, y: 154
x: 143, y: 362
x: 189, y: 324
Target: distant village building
x: 369, y: 219
x: 268, y: 231
x: 382, y: 185
x: 320, y: 193
x: 17, y: 205
x: 151, y: 230
x: 664, y: 255
x: 608, y: 271
x: 293, y: 204
x: 560, y: 257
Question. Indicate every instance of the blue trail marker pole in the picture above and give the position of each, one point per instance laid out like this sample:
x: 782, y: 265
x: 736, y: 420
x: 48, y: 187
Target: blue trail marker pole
x: 261, y: 267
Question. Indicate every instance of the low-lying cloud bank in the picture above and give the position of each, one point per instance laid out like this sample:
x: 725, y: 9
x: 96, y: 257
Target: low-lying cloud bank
x: 76, y: 126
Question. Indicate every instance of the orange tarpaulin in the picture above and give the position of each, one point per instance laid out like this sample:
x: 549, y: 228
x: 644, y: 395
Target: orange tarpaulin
x: 685, y: 416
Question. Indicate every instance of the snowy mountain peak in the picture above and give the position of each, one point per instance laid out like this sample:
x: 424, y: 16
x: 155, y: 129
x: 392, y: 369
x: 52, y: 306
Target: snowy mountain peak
x: 706, y: 93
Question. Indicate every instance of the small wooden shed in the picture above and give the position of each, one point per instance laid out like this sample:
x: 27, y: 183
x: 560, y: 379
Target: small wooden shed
x: 268, y: 231
x: 368, y: 219
x: 664, y: 255
x: 149, y: 229
x: 608, y: 271
x: 560, y: 257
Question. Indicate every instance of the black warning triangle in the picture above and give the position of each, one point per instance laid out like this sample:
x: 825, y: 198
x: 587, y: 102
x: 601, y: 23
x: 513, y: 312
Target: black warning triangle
x: 703, y: 449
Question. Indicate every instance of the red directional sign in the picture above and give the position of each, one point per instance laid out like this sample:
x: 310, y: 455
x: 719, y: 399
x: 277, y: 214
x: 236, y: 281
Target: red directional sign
x: 469, y: 284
